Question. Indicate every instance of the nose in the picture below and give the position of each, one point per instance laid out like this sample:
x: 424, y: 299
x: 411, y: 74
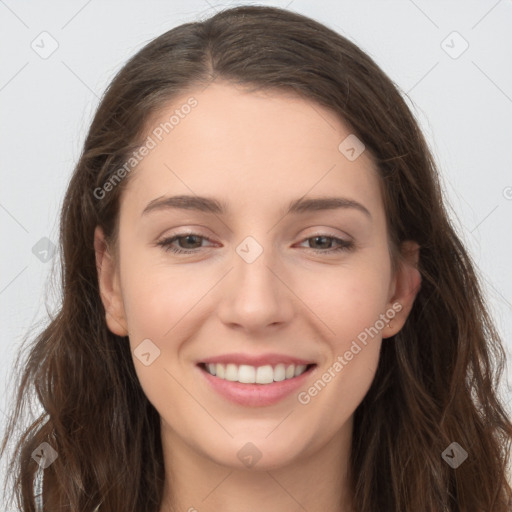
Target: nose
x: 255, y: 296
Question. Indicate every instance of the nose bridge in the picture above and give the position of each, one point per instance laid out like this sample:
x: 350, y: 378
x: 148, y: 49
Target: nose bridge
x: 255, y: 297
x: 252, y: 269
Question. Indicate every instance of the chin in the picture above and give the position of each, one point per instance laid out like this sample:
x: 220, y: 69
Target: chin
x: 256, y: 452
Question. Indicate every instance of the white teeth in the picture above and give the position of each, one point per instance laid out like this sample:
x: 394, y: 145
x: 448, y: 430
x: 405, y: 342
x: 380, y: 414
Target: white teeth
x: 279, y: 372
x: 264, y: 375
x: 255, y: 375
x: 231, y: 372
x: 246, y: 374
x: 299, y: 369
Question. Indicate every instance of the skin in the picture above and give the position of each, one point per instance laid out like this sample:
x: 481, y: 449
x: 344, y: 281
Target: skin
x: 257, y: 152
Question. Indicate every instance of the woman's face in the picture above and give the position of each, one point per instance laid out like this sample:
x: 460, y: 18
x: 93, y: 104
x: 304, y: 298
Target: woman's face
x: 263, y: 286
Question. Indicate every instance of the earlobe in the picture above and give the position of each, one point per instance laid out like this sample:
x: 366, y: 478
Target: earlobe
x: 108, y: 281
x: 406, y: 286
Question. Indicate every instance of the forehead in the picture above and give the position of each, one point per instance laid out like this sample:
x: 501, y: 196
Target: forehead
x: 245, y: 146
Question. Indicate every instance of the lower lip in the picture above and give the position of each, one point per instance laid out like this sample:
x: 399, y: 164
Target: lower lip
x: 256, y: 395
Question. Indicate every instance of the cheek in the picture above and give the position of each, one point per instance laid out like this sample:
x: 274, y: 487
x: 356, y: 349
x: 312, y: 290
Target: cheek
x: 159, y: 305
x: 351, y: 303
x: 346, y: 299
x: 158, y: 295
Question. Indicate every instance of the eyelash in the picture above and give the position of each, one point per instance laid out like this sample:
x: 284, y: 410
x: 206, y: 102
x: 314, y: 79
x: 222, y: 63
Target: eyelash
x: 166, y: 244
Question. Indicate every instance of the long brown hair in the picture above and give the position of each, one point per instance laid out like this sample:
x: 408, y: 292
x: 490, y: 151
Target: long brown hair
x: 437, y: 379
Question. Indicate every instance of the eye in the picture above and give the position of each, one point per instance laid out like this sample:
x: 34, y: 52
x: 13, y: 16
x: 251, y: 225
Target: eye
x: 195, y: 239
x: 190, y: 238
x: 343, y: 245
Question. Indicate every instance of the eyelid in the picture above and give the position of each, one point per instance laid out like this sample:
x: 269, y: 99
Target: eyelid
x: 319, y: 232
x: 328, y: 232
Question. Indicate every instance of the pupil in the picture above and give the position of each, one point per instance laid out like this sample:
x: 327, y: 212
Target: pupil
x: 320, y: 238
x: 188, y: 237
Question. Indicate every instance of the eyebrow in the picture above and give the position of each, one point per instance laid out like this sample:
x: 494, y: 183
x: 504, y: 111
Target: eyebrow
x: 210, y: 205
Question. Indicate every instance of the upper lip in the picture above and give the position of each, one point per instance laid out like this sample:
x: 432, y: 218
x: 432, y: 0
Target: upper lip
x: 256, y: 360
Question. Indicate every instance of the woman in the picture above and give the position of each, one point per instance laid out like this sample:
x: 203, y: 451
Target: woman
x: 322, y: 344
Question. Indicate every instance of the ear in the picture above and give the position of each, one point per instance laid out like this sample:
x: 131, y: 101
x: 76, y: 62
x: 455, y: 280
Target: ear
x: 404, y: 287
x: 110, y: 289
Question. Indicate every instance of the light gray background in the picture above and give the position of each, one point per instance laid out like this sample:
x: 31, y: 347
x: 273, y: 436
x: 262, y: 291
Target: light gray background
x: 464, y: 105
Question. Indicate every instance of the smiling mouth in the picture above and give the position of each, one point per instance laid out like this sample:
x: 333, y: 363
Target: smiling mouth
x: 247, y: 374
